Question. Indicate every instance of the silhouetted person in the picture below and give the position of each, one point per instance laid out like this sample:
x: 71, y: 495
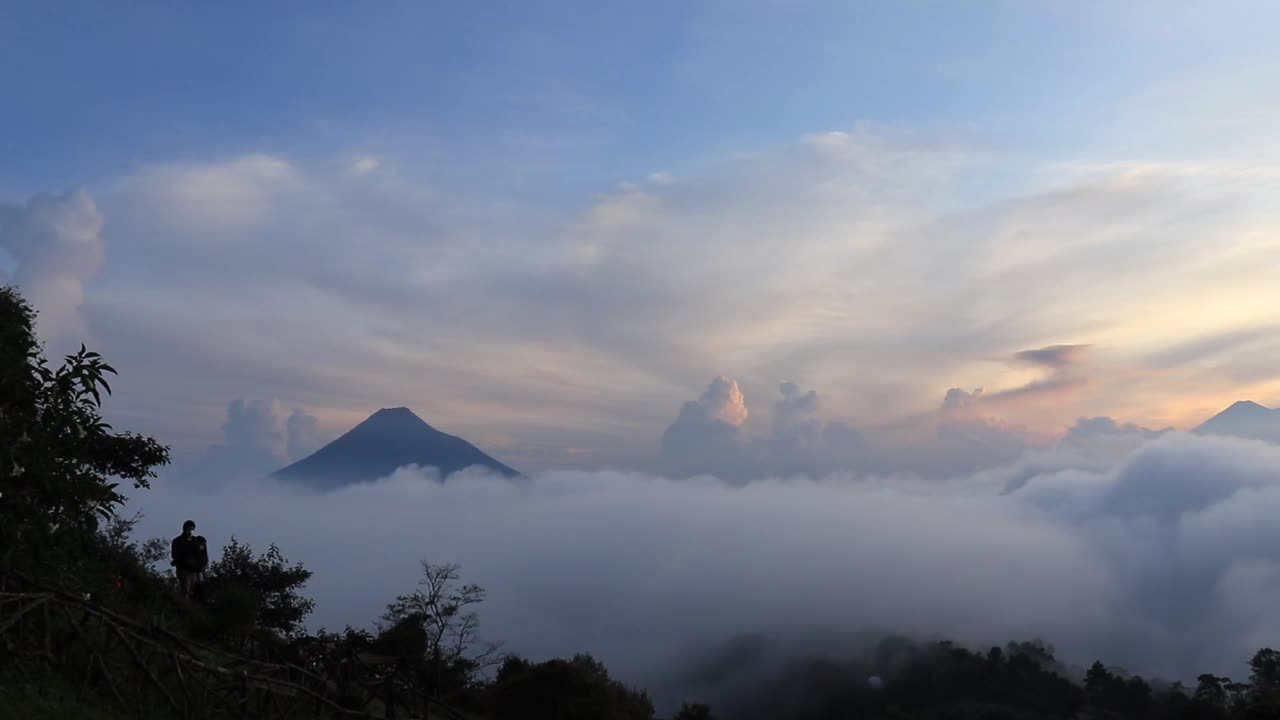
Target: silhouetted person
x: 190, y: 556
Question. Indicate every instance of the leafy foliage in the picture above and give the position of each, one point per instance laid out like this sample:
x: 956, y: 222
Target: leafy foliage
x: 59, y: 461
x: 258, y: 592
x: 694, y: 711
x: 577, y: 689
x: 1021, y: 680
x: 436, y: 627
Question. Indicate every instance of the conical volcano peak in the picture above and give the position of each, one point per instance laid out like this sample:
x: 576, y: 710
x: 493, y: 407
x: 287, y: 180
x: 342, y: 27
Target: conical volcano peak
x: 1247, y: 406
x: 396, y: 414
x: 397, y: 419
x: 1245, y: 418
x: 388, y: 439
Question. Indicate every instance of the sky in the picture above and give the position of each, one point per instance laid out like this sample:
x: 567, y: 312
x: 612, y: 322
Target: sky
x: 675, y: 237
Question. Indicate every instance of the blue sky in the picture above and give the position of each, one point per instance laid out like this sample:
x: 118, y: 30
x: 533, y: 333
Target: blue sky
x: 548, y: 225
x: 99, y: 89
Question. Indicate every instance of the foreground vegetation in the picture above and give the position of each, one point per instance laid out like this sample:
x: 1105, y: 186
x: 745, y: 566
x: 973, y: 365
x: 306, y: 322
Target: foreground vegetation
x: 67, y: 545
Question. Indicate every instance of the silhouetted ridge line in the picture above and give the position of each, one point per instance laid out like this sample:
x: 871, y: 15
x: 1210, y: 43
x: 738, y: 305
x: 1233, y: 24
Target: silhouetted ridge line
x: 388, y: 439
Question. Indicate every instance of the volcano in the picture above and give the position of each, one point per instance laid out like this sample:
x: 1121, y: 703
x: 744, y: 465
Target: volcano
x: 1244, y: 419
x: 389, y: 439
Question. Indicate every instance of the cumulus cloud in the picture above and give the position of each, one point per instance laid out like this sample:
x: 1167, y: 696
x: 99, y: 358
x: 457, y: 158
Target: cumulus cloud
x: 303, y: 433
x: 793, y: 416
x: 55, y: 242
x: 1154, y: 563
x: 706, y: 432
x: 957, y: 398
x: 1104, y: 437
x: 709, y: 436
x: 802, y: 442
x: 962, y: 436
x: 258, y: 438
x: 967, y: 434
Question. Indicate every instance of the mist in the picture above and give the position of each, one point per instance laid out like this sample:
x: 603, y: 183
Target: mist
x: 1162, y: 562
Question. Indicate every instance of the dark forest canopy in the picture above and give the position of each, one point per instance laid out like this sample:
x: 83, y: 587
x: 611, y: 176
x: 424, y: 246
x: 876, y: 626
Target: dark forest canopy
x: 62, y: 529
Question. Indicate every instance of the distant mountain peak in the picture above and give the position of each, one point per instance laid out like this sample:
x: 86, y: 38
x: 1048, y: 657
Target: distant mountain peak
x: 1247, y: 406
x: 394, y: 417
x: 1246, y: 419
x: 388, y: 439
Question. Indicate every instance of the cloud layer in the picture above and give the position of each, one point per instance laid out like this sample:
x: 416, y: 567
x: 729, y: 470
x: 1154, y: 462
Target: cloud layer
x: 860, y: 263
x: 1162, y: 562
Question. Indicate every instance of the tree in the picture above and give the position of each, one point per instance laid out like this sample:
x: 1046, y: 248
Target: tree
x: 1264, y: 670
x: 577, y: 689
x: 696, y: 711
x: 1097, y: 680
x: 436, y: 624
x: 264, y: 590
x: 1035, y: 650
x: 1211, y: 690
x: 59, y: 461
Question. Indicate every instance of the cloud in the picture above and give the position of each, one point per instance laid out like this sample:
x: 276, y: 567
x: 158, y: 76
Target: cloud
x: 56, y: 243
x: 1103, y: 437
x: 842, y: 436
x: 961, y: 437
x: 706, y: 432
x: 723, y: 402
x: 794, y: 424
x: 254, y: 425
x: 1154, y: 562
x: 1210, y: 346
x: 710, y: 436
x: 957, y: 398
x: 1054, y: 357
x: 303, y: 433
x: 1039, y: 392
x: 922, y: 264
x: 258, y: 438
x: 1063, y: 363
x: 221, y: 196
x: 364, y: 165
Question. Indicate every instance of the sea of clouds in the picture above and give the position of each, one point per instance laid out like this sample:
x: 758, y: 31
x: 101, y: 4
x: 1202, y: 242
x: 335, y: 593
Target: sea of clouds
x: 1166, y: 562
